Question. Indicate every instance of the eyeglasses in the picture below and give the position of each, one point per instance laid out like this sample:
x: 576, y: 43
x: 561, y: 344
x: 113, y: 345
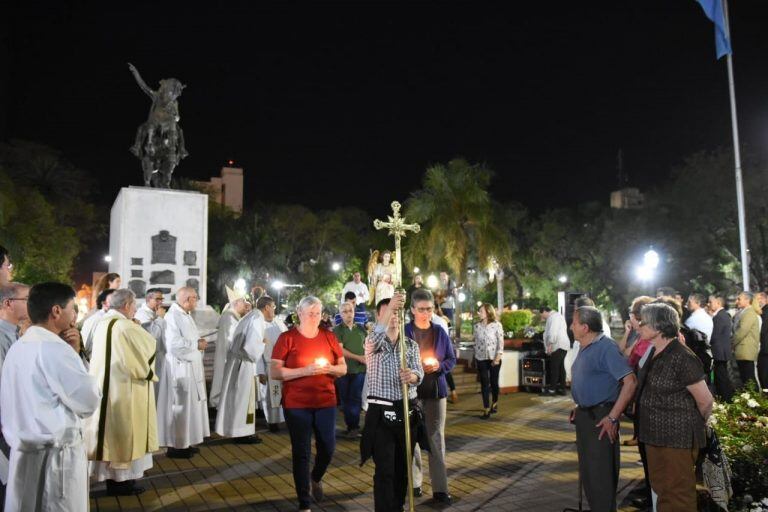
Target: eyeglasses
x: 22, y: 298
x: 424, y: 310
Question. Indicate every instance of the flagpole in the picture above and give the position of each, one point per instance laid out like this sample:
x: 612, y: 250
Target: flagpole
x: 737, y: 161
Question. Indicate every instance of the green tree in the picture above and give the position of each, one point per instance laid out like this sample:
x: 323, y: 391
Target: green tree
x: 458, y: 227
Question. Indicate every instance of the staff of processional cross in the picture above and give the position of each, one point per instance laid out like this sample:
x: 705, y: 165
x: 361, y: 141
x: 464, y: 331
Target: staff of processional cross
x: 397, y: 228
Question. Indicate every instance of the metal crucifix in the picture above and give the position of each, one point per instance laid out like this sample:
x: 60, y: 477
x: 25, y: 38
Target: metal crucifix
x: 398, y: 228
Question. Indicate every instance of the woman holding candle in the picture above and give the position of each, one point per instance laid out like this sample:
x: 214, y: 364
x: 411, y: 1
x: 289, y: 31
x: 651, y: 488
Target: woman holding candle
x: 489, y: 347
x: 308, y: 359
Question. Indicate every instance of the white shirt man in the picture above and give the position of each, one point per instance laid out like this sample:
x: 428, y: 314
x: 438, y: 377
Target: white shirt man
x: 182, y: 419
x: 44, y: 395
x: 155, y: 325
x: 226, y: 330
x: 122, y: 434
x: 699, y: 319
x: 556, y: 343
x: 273, y: 393
x: 236, y: 415
x: 360, y: 289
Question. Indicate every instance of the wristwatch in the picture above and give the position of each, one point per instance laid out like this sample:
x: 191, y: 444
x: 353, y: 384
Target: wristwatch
x: 613, y: 420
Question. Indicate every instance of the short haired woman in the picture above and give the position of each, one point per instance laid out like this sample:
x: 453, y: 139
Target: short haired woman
x: 308, y: 359
x: 673, y: 404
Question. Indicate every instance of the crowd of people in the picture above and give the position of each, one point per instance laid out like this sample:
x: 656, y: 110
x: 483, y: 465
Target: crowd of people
x: 95, y: 402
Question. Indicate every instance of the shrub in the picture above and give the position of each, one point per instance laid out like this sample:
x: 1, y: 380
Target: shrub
x: 516, y: 321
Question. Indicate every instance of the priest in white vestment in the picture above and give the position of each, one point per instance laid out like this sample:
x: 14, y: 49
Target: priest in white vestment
x: 272, y: 390
x: 182, y: 418
x: 44, y: 395
x: 236, y: 415
x: 152, y: 321
x: 90, y: 323
x: 122, y: 434
x: 233, y: 312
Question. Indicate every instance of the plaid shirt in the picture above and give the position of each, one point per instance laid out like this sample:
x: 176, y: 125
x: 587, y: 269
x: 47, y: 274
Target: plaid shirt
x: 383, y: 366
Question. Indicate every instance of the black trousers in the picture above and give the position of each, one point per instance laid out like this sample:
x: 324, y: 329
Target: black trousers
x: 390, y: 477
x: 762, y: 370
x: 489, y: 380
x: 449, y: 380
x: 723, y: 384
x: 746, y: 371
x: 557, y: 369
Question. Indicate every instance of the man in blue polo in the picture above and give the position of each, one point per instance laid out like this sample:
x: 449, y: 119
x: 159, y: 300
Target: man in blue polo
x: 360, y: 316
x: 602, y: 385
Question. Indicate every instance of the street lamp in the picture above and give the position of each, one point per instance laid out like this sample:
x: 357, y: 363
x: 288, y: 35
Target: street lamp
x: 416, y: 270
x: 462, y: 296
x: 240, y: 285
x: 651, y: 259
x: 336, y: 266
x: 108, y: 258
x: 563, y: 279
x: 433, y: 282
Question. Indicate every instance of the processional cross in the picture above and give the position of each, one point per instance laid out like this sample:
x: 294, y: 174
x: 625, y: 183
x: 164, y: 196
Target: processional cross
x: 398, y: 229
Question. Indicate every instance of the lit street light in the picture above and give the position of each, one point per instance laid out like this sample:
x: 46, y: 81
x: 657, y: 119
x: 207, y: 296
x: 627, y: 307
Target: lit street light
x: 462, y: 296
x: 416, y: 270
x: 240, y: 285
x: 108, y: 258
x: 278, y: 285
x: 651, y: 259
x: 563, y: 279
x: 433, y: 282
x: 336, y: 266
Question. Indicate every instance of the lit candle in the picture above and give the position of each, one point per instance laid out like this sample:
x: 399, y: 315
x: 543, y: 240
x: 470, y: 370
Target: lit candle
x: 321, y: 361
x: 430, y: 361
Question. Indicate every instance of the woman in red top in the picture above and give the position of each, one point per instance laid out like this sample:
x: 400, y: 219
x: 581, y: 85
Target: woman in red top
x: 308, y: 359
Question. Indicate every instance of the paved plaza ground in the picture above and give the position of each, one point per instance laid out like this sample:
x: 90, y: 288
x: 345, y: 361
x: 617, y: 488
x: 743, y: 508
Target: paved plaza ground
x: 524, y: 458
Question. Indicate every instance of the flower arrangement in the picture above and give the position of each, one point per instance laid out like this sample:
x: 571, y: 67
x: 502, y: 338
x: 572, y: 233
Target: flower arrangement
x: 742, y: 427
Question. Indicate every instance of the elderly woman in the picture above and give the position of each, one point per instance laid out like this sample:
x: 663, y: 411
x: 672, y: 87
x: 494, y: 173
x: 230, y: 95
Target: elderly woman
x: 308, y: 359
x: 489, y: 347
x: 673, y: 404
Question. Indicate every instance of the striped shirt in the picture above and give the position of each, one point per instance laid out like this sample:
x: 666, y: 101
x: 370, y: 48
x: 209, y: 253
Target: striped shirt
x: 383, y: 366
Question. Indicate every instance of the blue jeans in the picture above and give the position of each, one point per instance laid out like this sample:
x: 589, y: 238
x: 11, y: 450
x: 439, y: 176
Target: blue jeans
x: 351, y: 394
x: 301, y: 424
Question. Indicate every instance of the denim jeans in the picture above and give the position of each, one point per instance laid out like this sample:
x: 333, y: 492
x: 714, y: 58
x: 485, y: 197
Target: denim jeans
x: 489, y: 380
x: 301, y: 424
x: 351, y: 394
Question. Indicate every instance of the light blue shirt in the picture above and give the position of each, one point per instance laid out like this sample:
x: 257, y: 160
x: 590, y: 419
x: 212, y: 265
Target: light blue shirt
x: 597, y: 372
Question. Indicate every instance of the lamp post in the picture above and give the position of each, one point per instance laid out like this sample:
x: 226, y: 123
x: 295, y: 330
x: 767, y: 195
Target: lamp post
x: 647, y: 271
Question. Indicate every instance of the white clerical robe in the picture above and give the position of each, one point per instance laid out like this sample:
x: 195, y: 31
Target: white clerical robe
x: 121, y: 448
x: 155, y: 326
x: 227, y: 323
x: 86, y: 332
x: 270, y: 401
x: 182, y: 407
x: 236, y: 416
x: 44, y: 393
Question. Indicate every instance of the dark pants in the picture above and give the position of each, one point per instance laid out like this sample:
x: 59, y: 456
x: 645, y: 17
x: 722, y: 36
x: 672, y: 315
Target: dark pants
x: 350, y: 388
x: 723, y: 384
x: 598, y: 460
x: 390, y: 478
x: 489, y: 380
x: 762, y: 370
x: 557, y: 369
x: 301, y: 424
x: 746, y: 371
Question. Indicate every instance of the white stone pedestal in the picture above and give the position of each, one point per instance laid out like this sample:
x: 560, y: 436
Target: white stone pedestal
x: 158, y: 238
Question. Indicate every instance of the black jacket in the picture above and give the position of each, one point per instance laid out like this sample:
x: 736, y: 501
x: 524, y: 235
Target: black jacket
x: 764, y: 332
x: 721, y: 336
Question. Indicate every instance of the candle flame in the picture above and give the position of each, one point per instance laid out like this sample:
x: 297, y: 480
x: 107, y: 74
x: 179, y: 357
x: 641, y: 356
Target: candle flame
x: 430, y: 361
x: 321, y: 361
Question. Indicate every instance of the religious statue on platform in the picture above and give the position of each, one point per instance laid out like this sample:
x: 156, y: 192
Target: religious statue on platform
x: 379, y: 267
x: 159, y: 141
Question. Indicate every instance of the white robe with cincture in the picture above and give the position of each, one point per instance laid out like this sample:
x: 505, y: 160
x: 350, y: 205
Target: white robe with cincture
x: 182, y: 406
x: 44, y: 394
x: 227, y: 323
x: 271, y: 396
x: 236, y: 415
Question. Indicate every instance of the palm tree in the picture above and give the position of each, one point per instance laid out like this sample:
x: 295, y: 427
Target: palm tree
x: 458, y: 223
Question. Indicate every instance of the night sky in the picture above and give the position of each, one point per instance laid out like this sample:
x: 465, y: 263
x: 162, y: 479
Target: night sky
x: 346, y: 103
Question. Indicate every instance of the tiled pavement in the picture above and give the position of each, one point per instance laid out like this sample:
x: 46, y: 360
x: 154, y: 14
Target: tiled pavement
x: 524, y: 458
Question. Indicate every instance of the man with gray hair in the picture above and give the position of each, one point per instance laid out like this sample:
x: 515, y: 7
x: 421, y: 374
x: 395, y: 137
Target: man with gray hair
x: 13, y: 311
x: 746, y: 337
x: 183, y: 404
x: 602, y: 386
x: 122, y: 433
